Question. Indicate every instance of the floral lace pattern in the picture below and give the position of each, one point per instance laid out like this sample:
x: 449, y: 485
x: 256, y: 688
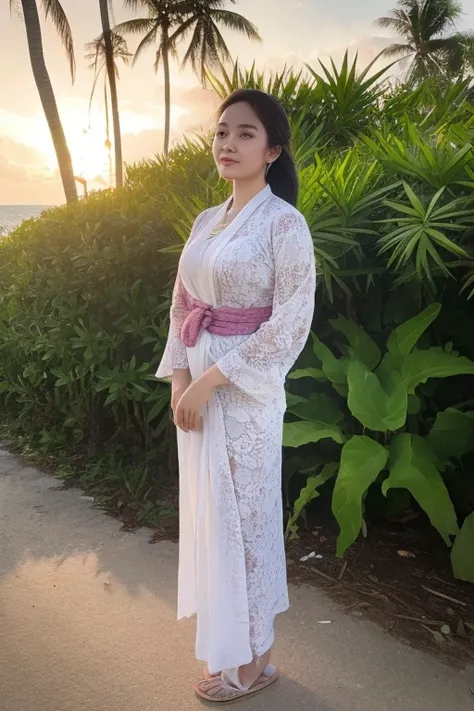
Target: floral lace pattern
x: 175, y: 355
x: 269, y: 260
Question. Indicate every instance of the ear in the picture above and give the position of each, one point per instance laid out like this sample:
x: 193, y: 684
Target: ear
x: 273, y: 154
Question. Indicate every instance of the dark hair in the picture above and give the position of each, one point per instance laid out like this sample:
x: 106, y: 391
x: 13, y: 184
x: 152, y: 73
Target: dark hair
x: 282, y: 176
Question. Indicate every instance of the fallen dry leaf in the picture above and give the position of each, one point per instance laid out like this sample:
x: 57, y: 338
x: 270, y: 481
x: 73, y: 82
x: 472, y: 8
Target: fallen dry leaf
x: 406, y: 554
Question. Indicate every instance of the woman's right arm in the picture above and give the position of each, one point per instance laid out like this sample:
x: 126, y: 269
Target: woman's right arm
x: 181, y: 375
x: 174, y: 364
x: 175, y: 356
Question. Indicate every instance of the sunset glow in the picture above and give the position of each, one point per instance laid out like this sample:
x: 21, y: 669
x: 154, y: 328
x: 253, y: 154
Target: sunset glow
x: 306, y: 31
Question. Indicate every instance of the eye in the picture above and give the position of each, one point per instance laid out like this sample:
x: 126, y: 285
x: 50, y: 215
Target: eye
x: 246, y: 135
x: 220, y: 134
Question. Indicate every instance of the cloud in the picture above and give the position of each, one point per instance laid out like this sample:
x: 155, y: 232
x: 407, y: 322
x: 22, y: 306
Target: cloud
x: 19, y: 152
x: 367, y: 48
x: 195, y: 109
x: 23, y: 175
x: 200, y: 106
x: 19, y: 162
x: 143, y: 145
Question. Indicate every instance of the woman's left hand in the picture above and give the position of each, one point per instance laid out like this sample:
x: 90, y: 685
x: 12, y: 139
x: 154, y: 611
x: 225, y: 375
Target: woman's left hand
x: 188, y: 414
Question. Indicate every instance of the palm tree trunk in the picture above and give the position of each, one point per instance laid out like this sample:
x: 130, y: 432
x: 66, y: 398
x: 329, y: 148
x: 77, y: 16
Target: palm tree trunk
x: 108, y: 144
x: 48, y: 101
x: 109, y: 60
x: 166, y: 68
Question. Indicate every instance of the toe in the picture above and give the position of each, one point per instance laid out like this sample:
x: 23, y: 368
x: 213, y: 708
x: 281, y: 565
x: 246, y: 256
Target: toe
x: 214, y: 688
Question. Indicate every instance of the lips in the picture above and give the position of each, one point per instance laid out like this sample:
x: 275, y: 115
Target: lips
x: 227, y: 161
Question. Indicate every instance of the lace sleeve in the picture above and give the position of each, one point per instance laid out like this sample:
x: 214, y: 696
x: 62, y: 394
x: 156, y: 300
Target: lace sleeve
x: 175, y: 354
x: 260, y: 364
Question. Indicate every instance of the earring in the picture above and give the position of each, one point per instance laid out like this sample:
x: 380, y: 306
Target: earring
x: 269, y: 165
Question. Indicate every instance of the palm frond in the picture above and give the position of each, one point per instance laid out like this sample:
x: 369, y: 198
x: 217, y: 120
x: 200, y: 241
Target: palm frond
x: 398, y: 50
x: 146, y: 42
x: 193, y: 52
x: 466, y: 41
x: 96, y: 50
x: 182, y: 30
x: 94, y: 85
x: 94, y: 54
x: 409, y: 5
x: 60, y: 21
x: 437, y: 15
x: 207, y: 49
x: 451, y: 52
x: 213, y: 48
x: 158, y: 58
x: 399, y: 22
x: 136, y: 5
x: 15, y: 6
x: 234, y: 21
x: 136, y: 26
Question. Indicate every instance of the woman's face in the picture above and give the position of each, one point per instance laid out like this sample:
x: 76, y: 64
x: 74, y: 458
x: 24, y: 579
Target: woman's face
x: 240, y: 145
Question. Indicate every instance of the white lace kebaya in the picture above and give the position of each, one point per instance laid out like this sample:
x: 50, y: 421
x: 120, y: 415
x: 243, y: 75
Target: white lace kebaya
x: 232, y: 567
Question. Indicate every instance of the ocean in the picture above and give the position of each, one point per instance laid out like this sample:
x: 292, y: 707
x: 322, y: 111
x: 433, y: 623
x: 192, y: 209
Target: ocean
x: 12, y: 215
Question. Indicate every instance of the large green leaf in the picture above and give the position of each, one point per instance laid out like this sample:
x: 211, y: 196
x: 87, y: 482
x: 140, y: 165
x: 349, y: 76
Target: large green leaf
x: 296, y: 434
x: 412, y: 466
x: 404, y: 338
x: 462, y: 555
x: 419, y: 366
x: 292, y: 399
x: 334, y: 368
x: 363, y: 348
x: 318, y: 407
x: 314, y: 373
x: 452, y: 434
x: 378, y: 405
x: 362, y: 460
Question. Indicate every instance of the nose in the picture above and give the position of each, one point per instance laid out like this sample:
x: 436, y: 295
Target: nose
x: 229, y: 146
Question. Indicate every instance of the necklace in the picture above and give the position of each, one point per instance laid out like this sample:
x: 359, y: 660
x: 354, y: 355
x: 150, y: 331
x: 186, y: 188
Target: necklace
x: 220, y: 227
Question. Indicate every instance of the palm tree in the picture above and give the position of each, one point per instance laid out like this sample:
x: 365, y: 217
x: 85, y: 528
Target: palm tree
x: 466, y: 40
x: 103, y: 52
x: 54, y: 9
x: 168, y: 23
x: 424, y: 26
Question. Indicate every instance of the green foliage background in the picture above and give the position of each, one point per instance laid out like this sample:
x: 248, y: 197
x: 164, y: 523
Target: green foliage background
x: 383, y: 396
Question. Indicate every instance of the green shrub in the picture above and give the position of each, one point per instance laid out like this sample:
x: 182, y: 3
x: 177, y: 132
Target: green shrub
x: 386, y: 178
x: 375, y: 417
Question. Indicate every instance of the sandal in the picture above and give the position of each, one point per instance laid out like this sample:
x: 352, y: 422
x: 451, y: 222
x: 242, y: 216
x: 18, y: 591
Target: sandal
x: 222, y: 692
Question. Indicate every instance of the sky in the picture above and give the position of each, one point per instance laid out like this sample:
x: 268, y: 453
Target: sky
x: 293, y: 32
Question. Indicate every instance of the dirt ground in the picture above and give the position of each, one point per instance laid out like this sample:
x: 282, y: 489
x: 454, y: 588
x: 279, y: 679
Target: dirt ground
x: 399, y: 577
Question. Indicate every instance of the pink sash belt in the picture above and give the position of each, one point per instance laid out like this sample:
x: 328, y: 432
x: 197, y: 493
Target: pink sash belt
x: 222, y: 321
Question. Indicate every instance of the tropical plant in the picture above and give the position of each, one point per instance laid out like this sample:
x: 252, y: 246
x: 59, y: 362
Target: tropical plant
x: 430, y: 106
x: 341, y: 102
x: 84, y: 297
x: 284, y: 85
x: 53, y: 9
x: 168, y: 24
x: 102, y: 55
x: 424, y: 26
x: 348, y: 100
x: 374, y: 418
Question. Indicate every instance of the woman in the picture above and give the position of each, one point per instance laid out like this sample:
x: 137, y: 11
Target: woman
x: 241, y: 313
